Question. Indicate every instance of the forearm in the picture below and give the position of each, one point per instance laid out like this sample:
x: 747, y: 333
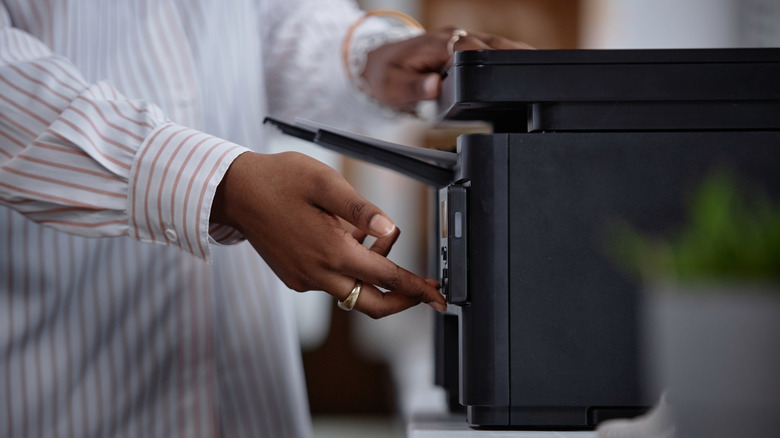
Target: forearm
x: 82, y: 158
x: 307, y: 73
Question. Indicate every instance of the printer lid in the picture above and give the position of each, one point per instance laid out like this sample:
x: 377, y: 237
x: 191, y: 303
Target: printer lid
x: 617, y: 56
x: 583, y: 90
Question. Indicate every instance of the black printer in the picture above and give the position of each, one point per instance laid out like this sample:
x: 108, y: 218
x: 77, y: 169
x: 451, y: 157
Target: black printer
x: 543, y: 327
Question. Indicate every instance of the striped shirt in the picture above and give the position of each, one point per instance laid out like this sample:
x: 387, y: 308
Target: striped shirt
x: 118, y: 120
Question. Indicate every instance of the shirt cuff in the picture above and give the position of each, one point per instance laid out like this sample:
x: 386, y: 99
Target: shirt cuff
x: 172, y: 183
x: 370, y: 35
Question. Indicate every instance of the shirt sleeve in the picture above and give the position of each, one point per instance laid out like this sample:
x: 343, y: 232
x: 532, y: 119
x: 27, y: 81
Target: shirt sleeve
x: 306, y: 75
x: 84, y: 159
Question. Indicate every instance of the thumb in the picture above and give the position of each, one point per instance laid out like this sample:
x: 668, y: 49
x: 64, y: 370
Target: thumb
x: 342, y: 200
x: 380, y: 225
x: 428, y: 86
x: 366, y: 216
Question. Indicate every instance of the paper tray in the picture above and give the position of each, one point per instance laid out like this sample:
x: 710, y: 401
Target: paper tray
x: 432, y: 167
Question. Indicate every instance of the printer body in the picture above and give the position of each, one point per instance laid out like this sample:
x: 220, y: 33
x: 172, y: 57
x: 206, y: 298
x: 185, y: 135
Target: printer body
x: 545, y: 324
x: 543, y: 327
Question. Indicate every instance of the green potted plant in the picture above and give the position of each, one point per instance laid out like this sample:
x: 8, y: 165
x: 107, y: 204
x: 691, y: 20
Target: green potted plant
x: 712, y: 310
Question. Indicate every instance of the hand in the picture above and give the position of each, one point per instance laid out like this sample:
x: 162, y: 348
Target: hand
x: 297, y: 212
x: 401, y: 74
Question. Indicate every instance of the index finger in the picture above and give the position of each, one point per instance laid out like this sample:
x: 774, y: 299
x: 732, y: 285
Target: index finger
x: 470, y: 41
x: 499, y: 42
x: 377, y: 270
x: 378, y: 304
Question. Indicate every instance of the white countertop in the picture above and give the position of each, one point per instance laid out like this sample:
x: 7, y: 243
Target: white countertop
x: 436, y: 425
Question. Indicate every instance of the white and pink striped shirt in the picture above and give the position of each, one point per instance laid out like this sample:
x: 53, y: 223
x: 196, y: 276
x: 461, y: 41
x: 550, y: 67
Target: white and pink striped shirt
x: 118, y: 120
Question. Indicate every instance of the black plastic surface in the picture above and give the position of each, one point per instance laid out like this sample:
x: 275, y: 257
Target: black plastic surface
x: 457, y: 245
x: 292, y: 130
x: 571, y: 351
x: 652, y: 116
x: 446, y: 358
x: 351, y: 145
x: 484, y: 324
x: 618, y: 56
x: 419, y: 170
x: 499, y: 86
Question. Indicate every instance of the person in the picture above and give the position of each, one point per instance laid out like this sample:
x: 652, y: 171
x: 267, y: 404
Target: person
x: 140, y: 214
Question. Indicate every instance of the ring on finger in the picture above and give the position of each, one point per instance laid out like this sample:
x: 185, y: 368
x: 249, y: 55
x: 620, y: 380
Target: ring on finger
x: 349, y: 302
x: 457, y: 34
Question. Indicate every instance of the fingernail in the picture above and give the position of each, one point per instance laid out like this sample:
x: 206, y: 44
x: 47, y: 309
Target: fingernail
x: 381, y: 226
x: 431, y: 86
x: 439, y: 307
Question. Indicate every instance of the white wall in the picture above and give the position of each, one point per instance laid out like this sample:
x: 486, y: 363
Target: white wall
x: 411, y: 7
x: 680, y: 23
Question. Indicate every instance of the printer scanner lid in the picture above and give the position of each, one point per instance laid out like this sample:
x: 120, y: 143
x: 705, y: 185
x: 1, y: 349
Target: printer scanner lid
x: 603, y: 90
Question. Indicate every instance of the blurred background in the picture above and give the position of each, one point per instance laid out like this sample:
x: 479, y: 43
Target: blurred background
x: 389, y: 363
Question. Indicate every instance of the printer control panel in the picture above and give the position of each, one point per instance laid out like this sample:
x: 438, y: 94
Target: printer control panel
x: 453, y: 251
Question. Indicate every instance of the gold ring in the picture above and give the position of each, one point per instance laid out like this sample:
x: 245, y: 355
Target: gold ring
x: 349, y: 303
x: 457, y: 34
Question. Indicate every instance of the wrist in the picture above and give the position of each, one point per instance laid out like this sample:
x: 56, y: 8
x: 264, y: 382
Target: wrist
x: 171, y: 186
x: 372, y: 31
x: 228, y: 195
